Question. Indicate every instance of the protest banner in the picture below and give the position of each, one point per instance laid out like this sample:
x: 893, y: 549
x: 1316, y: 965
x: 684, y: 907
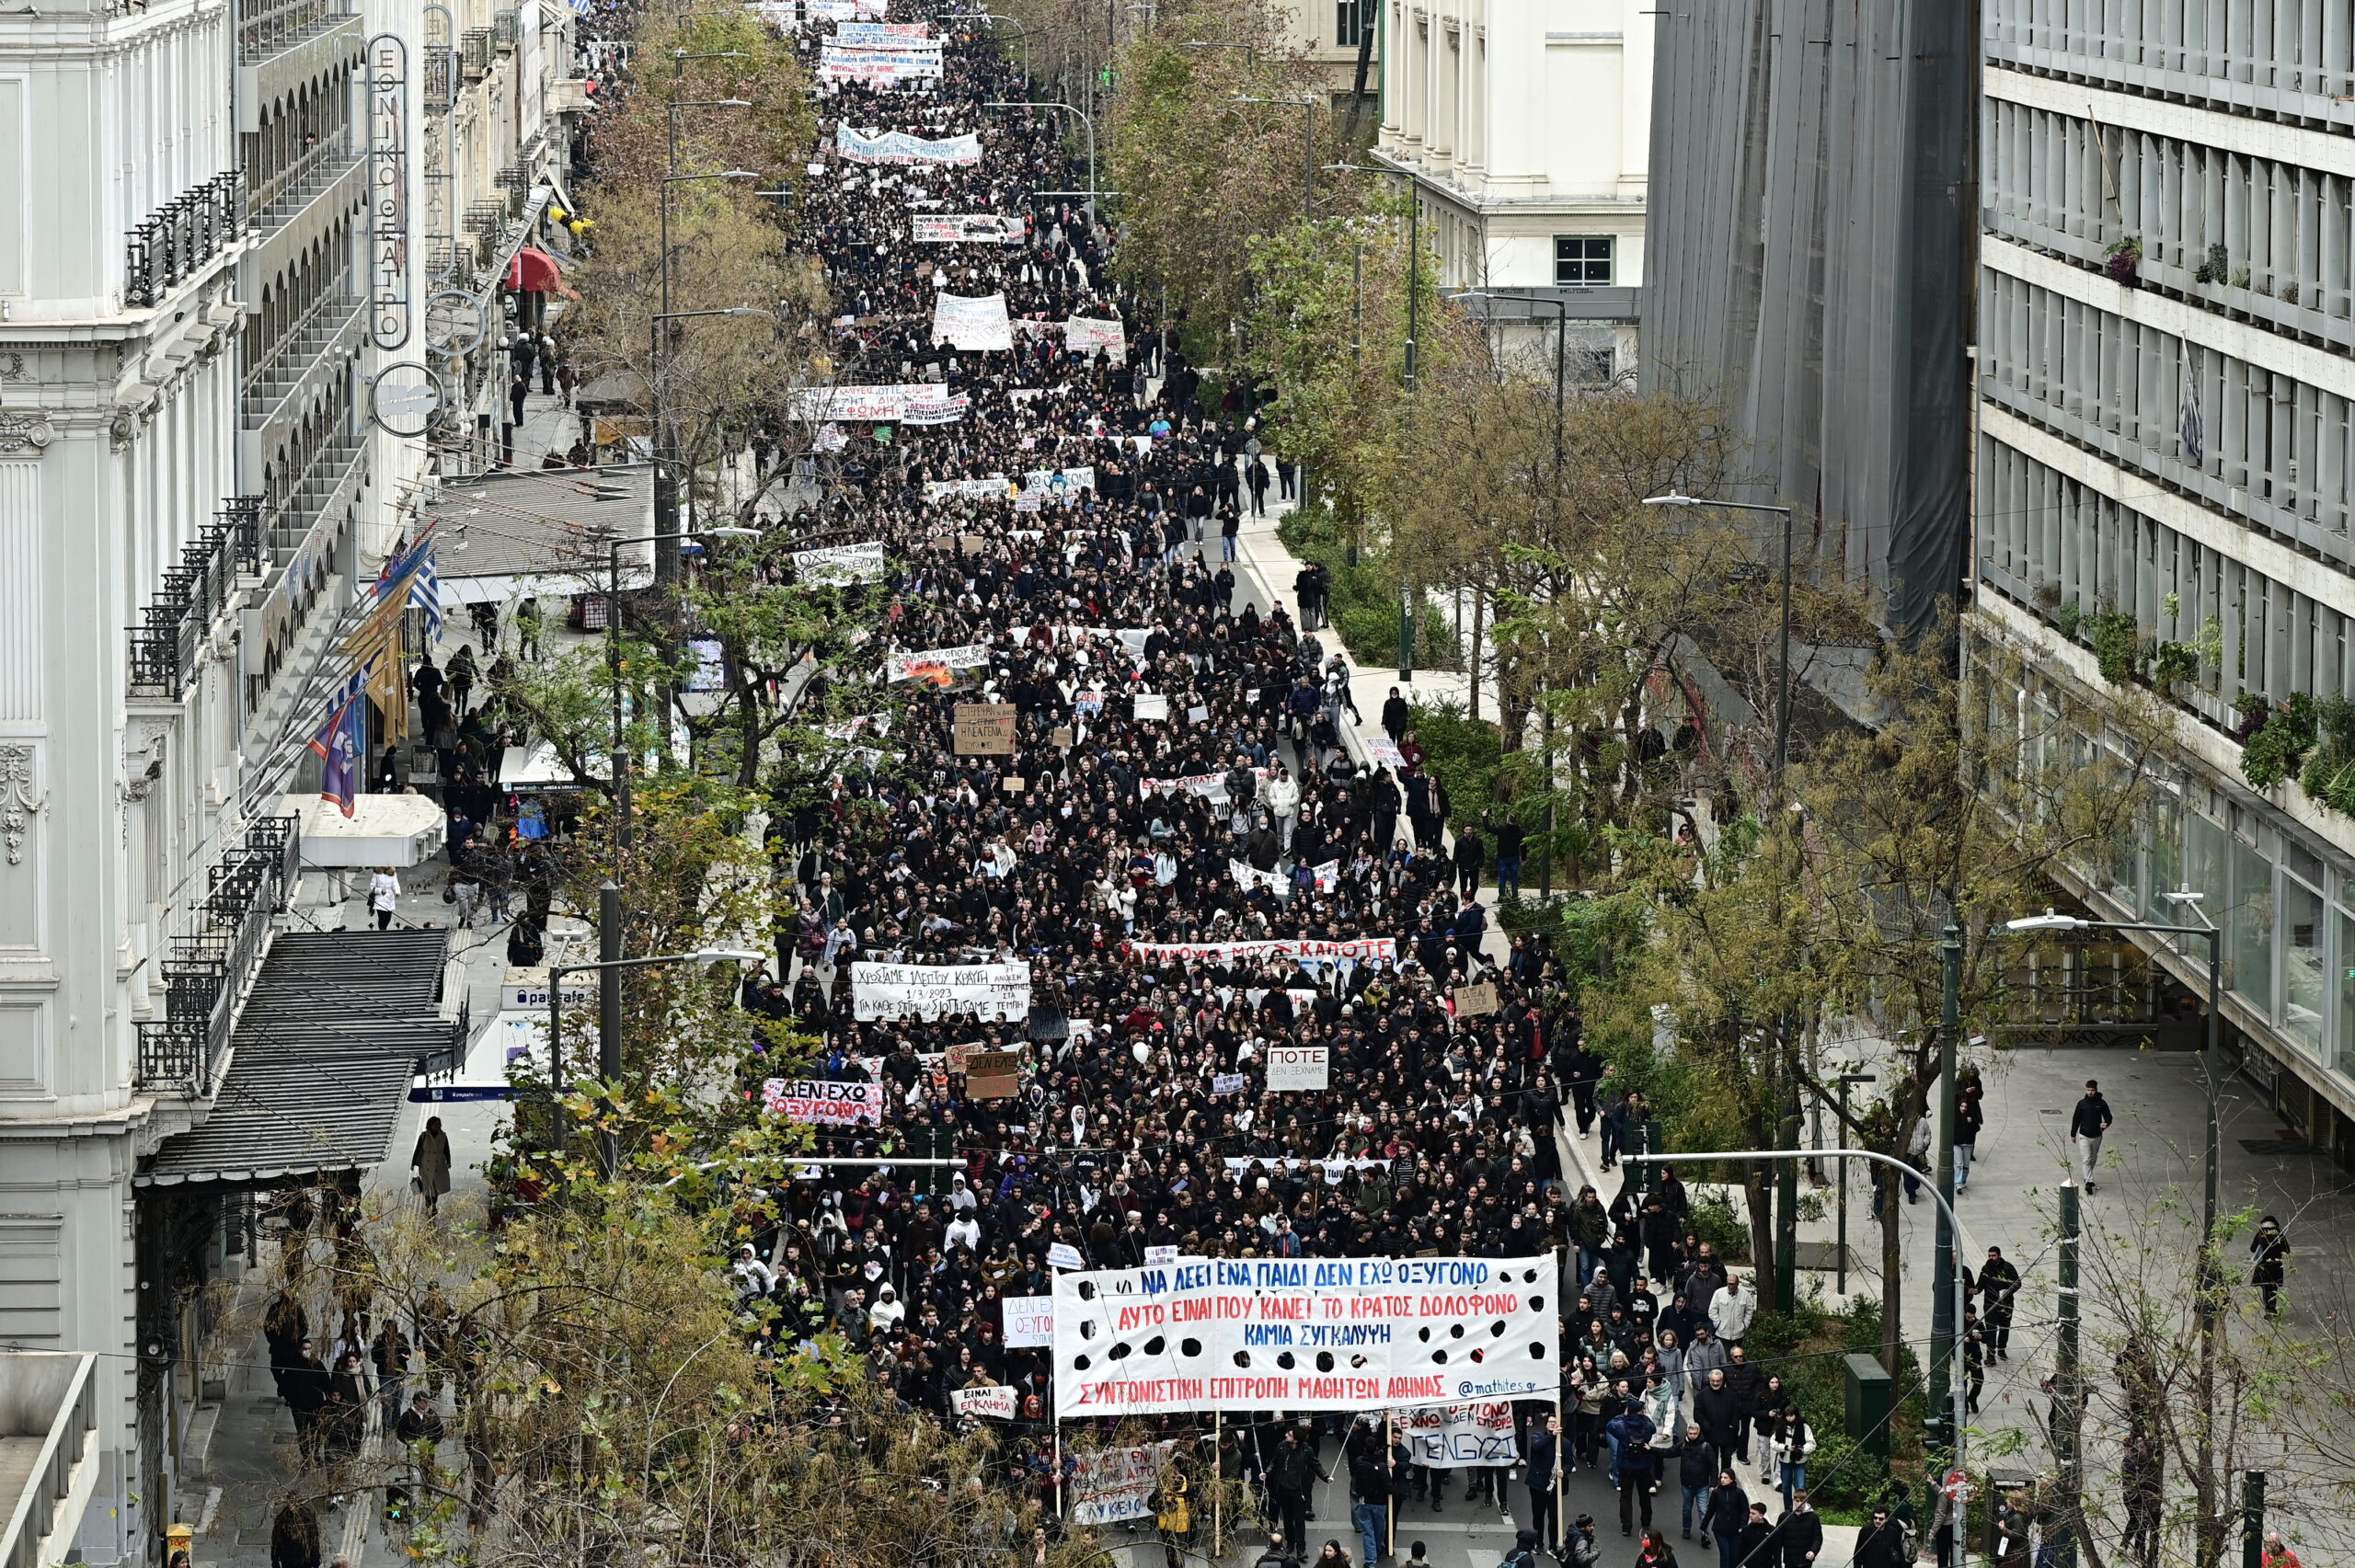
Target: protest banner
x: 1247, y: 876
x: 840, y: 563
x: 937, y: 990
x: 1155, y: 1257
x: 992, y: 488
x: 993, y: 1075
x: 971, y: 322
x: 966, y: 228
x: 899, y: 147
x: 984, y: 729
x: 1382, y: 753
x: 1209, y: 786
x: 1472, y: 1001
x: 1455, y: 1437
x: 916, y: 402
x: 1334, y: 1169
x: 1327, y: 876
x: 907, y: 666
x: 852, y: 728
x: 1298, y: 1067
x: 1030, y: 1321
x: 881, y: 32
x: 1226, y: 1083
x: 996, y: 1402
x: 897, y: 65
x: 1062, y: 1255
x: 1111, y: 1484
x: 1307, y: 949
x: 1084, y: 334
x: 824, y: 1101
x: 1151, y: 705
x: 1304, y: 1334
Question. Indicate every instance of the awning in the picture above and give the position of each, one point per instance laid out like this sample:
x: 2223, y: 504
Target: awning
x: 536, y: 766
x: 324, y: 1051
x: 544, y: 533
x: 512, y: 1037
x: 533, y: 271
x: 382, y: 829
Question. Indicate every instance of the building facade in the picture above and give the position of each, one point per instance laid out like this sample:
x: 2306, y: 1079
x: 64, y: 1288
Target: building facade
x: 190, y: 488
x: 1524, y: 129
x: 2167, y: 305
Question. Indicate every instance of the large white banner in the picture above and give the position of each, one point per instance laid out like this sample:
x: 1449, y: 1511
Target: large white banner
x: 1072, y: 480
x: 966, y: 228
x: 893, y: 64
x: 975, y: 322
x: 1082, y: 335
x: 1209, y: 786
x: 1247, y: 876
x: 840, y: 563
x: 938, y: 991
x: 1112, y: 1484
x: 1298, y: 1067
x: 899, y: 147
x: 995, y: 488
x: 1308, y: 950
x: 881, y: 32
x: 915, y: 401
x: 1304, y: 1333
x: 1453, y: 1436
x: 901, y: 666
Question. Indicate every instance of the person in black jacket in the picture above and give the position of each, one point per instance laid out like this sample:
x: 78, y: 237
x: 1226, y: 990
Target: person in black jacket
x: 1755, y: 1547
x: 2269, y: 1253
x: 1800, y: 1534
x: 2088, y: 1120
x: 1881, y: 1544
x: 1728, y: 1513
x: 1395, y: 716
x: 1545, y: 1502
x: 1697, y: 1465
x: 304, y: 1384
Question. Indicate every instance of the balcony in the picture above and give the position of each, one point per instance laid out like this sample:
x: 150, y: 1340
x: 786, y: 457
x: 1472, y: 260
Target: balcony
x: 187, y: 232
x: 328, y: 480
x: 209, y: 964
x: 264, y: 30
x: 49, y: 1463
x: 276, y: 200
x: 164, y: 644
x: 303, y: 356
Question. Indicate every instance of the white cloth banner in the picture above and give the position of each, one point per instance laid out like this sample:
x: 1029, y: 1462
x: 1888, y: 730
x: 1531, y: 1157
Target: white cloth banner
x: 996, y: 1402
x: 904, y: 401
x: 972, y: 323
x: 946, y: 411
x: 994, y: 489
x: 967, y: 228
x: 1030, y: 1321
x: 1084, y: 334
x: 1072, y: 480
x: 852, y: 728
x: 1246, y: 877
x: 1304, y: 1334
x: 899, y: 147
x: 1334, y: 1169
x: 1209, y: 786
x: 1453, y: 1436
x: 1111, y: 1484
x: 824, y: 1101
x: 892, y: 65
x: 1308, y: 950
x: 936, y: 991
x: 972, y: 656
x: 881, y: 32
x: 1298, y: 1067
x: 840, y: 563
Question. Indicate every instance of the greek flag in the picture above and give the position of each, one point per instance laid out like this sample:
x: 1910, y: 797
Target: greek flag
x: 2189, y: 426
x: 417, y: 567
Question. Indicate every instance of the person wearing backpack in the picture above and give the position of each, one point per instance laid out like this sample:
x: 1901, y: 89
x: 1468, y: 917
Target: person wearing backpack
x: 1631, y: 1433
x: 1524, y: 1551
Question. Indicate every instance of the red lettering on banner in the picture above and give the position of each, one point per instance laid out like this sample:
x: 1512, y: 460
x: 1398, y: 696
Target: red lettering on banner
x: 1418, y: 1388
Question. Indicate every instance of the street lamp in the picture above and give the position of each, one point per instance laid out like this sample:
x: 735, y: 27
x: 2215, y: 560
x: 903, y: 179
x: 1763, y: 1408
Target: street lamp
x: 1250, y: 55
x: 620, y: 762
x: 1783, y: 659
x: 1021, y: 31
x: 1308, y: 148
x: 679, y: 58
x: 1084, y: 119
x: 609, y: 966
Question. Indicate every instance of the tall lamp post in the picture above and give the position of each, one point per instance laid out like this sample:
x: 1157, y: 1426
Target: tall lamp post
x: 1783, y: 657
x: 2206, y: 1275
x: 622, y: 838
x: 666, y: 482
x: 609, y: 966
x: 1083, y: 119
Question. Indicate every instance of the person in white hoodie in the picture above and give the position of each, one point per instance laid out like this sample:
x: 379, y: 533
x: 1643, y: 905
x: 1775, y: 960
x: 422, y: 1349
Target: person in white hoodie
x: 1283, y: 799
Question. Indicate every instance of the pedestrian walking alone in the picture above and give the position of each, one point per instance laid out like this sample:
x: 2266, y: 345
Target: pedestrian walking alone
x: 429, y: 1164
x: 384, y: 892
x: 2087, y: 1123
x: 2270, y: 1253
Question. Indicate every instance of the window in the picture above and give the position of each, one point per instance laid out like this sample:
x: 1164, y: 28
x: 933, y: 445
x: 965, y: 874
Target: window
x: 1582, y: 260
x: 1350, y: 21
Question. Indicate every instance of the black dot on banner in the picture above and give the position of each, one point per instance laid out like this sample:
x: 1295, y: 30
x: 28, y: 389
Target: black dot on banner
x: 1529, y: 1277
x: 1537, y: 1303
x: 1243, y: 1358
x: 1497, y: 1329
x: 1285, y: 1361
x: 1118, y: 1352
x: 1537, y: 1350
x: 1189, y: 1347
x: 1081, y: 1363
x: 1088, y: 1290
x: 1357, y: 1363
x: 1438, y: 1357
x: 1455, y: 1332
x: 1424, y: 1333
x: 1086, y: 1328
x: 1480, y: 1355
x: 1323, y: 1361
x: 1156, y: 1345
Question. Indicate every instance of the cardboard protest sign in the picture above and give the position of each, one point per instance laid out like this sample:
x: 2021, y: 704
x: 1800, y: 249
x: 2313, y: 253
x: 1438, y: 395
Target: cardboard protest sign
x: 1471, y: 1001
x: 993, y: 1075
x: 984, y: 729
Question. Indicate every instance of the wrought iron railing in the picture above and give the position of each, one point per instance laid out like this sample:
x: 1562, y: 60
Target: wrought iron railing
x: 163, y: 645
x: 474, y: 48
x: 209, y: 964
x: 184, y: 233
x: 265, y: 30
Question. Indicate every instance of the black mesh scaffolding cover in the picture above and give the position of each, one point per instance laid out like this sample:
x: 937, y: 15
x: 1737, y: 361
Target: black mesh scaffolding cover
x: 1805, y: 264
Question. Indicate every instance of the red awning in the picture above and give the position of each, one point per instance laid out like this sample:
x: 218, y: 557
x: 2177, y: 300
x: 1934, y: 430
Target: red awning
x: 533, y: 271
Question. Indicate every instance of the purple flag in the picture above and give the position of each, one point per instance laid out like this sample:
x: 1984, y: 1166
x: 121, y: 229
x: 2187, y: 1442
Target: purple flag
x: 339, y: 747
